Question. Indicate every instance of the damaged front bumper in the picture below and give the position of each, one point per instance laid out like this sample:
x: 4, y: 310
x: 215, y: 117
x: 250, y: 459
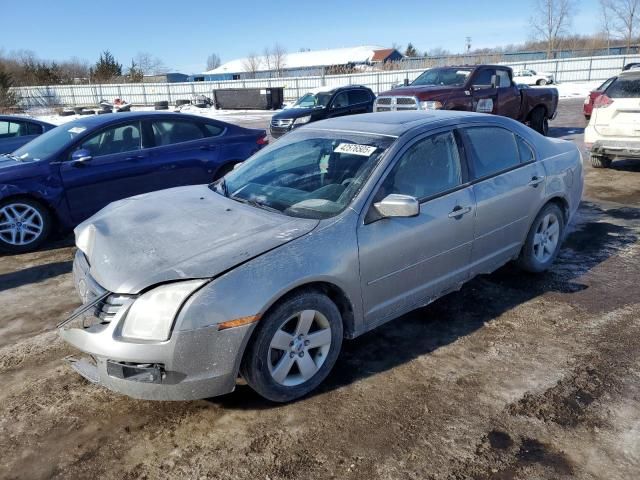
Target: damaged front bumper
x: 192, y: 364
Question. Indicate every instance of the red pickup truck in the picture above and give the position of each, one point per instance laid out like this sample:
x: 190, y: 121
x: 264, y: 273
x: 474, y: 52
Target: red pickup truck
x: 477, y: 88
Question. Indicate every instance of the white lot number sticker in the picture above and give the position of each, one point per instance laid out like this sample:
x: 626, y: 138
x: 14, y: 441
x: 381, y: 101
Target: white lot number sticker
x: 355, y: 149
x: 76, y: 130
x: 485, y: 105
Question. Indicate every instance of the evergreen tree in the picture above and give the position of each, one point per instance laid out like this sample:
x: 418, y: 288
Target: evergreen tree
x: 410, y: 51
x: 106, y: 68
x: 7, y: 98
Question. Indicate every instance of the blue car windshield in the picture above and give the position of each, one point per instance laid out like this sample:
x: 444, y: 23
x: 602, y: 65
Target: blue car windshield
x: 307, y: 173
x: 49, y: 143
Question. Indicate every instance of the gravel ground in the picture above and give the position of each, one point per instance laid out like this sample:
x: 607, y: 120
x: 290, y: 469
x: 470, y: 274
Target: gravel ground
x: 514, y: 377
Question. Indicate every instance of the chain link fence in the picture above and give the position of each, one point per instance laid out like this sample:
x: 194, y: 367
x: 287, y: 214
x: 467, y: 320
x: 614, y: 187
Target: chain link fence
x: 564, y: 70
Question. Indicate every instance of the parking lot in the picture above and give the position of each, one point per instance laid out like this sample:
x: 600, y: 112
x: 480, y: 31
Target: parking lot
x: 516, y: 376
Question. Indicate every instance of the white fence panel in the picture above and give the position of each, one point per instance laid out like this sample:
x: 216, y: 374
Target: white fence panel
x: 564, y: 70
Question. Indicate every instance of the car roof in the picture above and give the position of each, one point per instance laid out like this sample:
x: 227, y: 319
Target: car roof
x: 8, y: 118
x: 106, y: 119
x: 633, y: 73
x: 391, y: 123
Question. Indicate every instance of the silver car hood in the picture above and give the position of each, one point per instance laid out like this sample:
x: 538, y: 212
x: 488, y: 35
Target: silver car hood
x: 180, y: 233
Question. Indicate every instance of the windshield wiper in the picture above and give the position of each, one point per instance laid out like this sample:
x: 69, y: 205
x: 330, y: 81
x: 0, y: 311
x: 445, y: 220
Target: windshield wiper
x: 255, y: 203
x: 12, y: 157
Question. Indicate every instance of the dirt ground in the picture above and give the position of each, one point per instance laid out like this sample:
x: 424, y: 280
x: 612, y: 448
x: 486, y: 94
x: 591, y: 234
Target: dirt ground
x: 514, y: 377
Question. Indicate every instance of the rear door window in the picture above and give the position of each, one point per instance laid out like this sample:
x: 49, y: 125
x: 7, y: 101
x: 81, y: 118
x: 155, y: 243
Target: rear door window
x: 169, y: 132
x: 9, y: 129
x: 213, y: 130
x: 492, y: 149
x: 358, y: 97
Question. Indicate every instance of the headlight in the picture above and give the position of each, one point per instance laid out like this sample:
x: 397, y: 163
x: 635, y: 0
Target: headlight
x: 151, y: 315
x: 302, y: 120
x: 430, y: 105
x: 85, y: 239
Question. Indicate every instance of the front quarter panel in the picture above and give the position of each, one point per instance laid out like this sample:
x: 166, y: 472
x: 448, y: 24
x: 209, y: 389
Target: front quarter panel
x: 327, y: 254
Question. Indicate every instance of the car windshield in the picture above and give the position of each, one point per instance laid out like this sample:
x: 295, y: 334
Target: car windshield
x: 308, y: 174
x: 310, y: 100
x: 49, y: 143
x: 443, y: 76
x: 624, y: 88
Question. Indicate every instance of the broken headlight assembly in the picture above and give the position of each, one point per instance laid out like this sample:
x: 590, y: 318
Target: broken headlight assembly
x: 152, y: 314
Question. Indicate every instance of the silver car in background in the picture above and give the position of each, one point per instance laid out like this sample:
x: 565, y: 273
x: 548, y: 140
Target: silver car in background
x: 335, y: 229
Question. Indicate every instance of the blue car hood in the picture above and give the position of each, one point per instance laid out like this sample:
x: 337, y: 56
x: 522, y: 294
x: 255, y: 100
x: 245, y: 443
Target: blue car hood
x: 179, y: 233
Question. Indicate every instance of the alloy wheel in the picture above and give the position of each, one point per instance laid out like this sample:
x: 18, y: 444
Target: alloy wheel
x: 299, y: 348
x: 546, y: 238
x: 20, y: 224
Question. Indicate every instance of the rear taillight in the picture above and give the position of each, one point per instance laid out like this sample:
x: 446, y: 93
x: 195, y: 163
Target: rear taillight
x: 602, y: 101
x: 262, y: 141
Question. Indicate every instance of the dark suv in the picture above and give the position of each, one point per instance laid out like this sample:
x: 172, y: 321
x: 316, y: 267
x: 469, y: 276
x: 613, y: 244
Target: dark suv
x: 323, y: 103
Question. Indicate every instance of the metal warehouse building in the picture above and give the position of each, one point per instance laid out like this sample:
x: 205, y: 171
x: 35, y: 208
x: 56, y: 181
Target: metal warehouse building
x: 300, y: 64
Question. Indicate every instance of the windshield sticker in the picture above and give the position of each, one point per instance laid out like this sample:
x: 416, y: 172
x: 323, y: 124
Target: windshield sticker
x: 77, y: 130
x: 355, y: 149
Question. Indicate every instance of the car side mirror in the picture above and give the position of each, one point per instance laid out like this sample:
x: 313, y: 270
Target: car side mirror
x: 81, y: 156
x: 396, y: 205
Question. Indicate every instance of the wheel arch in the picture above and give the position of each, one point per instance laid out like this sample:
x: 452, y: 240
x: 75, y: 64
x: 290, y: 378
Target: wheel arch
x: 333, y: 292
x: 561, y: 202
x: 541, y: 106
x: 30, y: 196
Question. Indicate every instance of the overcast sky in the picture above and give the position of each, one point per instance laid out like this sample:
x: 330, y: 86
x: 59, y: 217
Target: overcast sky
x: 183, y: 34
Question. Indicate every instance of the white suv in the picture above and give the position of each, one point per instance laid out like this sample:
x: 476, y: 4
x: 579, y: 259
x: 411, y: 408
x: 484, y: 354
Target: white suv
x: 614, y: 129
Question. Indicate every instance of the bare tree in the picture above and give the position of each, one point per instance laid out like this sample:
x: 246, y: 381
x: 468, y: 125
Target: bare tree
x: 625, y: 17
x: 278, y: 59
x: 252, y: 64
x: 148, y: 64
x: 551, y: 20
x: 605, y: 21
x: 267, y: 58
x: 213, y: 61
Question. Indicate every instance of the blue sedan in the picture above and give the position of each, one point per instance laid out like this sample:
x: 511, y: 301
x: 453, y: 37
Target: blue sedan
x: 15, y: 131
x: 69, y: 173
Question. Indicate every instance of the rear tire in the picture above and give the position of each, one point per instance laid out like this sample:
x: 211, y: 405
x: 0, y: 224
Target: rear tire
x: 24, y: 224
x: 179, y: 103
x: 600, y: 161
x: 294, y: 347
x: 543, y: 240
x: 223, y: 170
x: 539, y: 121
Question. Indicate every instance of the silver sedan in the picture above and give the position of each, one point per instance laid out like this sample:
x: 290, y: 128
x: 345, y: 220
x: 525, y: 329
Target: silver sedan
x: 336, y: 228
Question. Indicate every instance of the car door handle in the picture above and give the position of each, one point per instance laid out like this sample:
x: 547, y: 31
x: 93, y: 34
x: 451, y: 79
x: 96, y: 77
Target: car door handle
x: 535, y: 181
x: 207, y: 147
x: 459, y: 211
x: 136, y: 157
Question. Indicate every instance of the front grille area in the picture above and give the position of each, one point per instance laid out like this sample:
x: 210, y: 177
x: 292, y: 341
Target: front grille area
x: 282, y: 122
x: 107, y: 309
x: 391, y: 104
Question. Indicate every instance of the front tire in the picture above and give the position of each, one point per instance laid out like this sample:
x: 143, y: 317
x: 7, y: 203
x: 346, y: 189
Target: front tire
x: 543, y: 240
x: 541, y: 82
x: 600, y: 161
x: 24, y: 225
x: 294, y: 347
